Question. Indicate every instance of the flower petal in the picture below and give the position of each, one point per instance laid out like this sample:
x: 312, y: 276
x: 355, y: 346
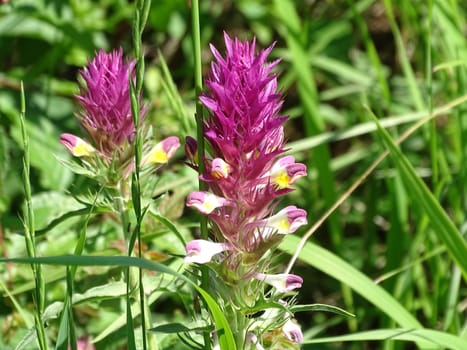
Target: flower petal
x: 292, y: 331
x: 219, y: 168
x: 201, y: 251
x: 76, y: 146
x: 163, y: 151
x: 283, y: 282
x: 286, y: 221
x: 206, y: 202
x: 285, y: 172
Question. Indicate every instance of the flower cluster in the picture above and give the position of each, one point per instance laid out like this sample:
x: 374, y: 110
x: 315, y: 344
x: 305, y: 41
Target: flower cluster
x: 107, y: 119
x: 246, y: 173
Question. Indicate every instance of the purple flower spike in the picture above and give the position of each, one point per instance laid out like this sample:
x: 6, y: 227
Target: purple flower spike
x: 76, y: 146
x: 245, y: 107
x: 105, y: 98
x: 206, y: 202
x: 283, y: 282
x: 201, y: 251
x: 292, y: 331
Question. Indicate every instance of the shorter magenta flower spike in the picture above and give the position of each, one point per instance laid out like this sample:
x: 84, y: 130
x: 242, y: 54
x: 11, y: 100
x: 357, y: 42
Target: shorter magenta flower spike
x: 206, y: 202
x: 201, y: 251
x: 283, y: 282
x: 76, y: 146
x: 105, y: 98
x: 162, y: 152
x: 292, y: 331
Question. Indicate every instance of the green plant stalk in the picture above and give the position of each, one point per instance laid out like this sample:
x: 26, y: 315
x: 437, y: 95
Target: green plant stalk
x: 198, y: 79
x: 29, y: 231
x: 142, y: 9
x: 429, y: 77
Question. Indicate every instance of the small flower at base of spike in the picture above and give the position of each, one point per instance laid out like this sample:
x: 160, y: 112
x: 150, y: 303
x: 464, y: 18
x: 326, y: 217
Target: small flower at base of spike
x: 201, y: 251
x: 286, y: 221
x: 283, y: 282
x: 219, y: 168
x: 252, y: 342
x: 285, y: 172
x: 162, y: 152
x: 76, y: 146
x: 206, y: 202
x: 292, y: 331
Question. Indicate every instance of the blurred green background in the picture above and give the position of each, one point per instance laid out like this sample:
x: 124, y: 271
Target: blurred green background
x: 401, y: 59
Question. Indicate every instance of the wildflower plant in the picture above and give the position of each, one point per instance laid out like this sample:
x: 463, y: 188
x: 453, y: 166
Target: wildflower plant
x: 247, y: 174
x: 106, y: 118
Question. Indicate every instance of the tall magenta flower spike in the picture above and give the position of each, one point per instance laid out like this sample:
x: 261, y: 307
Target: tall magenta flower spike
x: 245, y: 132
x: 246, y: 173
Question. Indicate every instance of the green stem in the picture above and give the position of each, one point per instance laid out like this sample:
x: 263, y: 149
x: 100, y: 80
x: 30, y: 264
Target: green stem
x: 198, y: 77
x: 29, y: 232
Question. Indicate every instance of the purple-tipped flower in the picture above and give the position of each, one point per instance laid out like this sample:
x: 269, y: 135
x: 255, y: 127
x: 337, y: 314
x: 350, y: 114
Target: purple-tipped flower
x: 283, y: 282
x: 285, y: 172
x: 292, y: 331
x: 76, y: 146
x: 163, y: 151
x: 105, y: 98
x: 201, y: 251
x: 206, y: 202
x: 286, y: 221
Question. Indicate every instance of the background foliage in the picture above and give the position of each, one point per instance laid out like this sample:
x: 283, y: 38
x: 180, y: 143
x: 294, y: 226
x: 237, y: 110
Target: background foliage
x: 340, y: 59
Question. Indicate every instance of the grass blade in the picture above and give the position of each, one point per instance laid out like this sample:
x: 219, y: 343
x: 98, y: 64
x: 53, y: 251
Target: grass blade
x: 442, y: 224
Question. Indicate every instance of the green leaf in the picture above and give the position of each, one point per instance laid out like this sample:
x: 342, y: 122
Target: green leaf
x: 109, y: 290
x: 429, y: 337
x: 321, y: 307
x: 444, y: 228
x: 341, y: 270
x: 170, y: 328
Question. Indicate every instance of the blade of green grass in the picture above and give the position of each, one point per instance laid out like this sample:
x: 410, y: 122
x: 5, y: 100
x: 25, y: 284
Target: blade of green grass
x: 429, y: 337
x: 342, y: 271
x: 442, y: 224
